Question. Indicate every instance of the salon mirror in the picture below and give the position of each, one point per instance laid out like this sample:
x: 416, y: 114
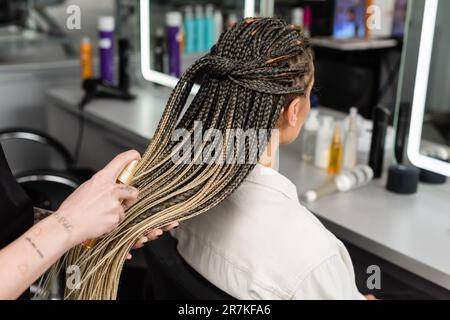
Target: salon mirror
x: 153, y: 20
x: 424, y: 95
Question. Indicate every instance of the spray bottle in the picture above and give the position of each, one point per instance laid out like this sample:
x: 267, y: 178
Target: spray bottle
x: 335, y: 165
x: 309, y: 136
x: 351, y: 141
x: 324, y: 135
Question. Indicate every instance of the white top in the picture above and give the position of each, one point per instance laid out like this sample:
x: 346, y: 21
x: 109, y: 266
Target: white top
x: 261, y: 243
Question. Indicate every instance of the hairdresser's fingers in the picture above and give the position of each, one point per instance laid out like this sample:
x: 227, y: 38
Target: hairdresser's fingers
x: 140, y: 243
x: 129, y: 203
x: 125, y: 193
x: 154, y: 234
x: 116, y: 166
x: 171, y: 226
x: 121, y: 215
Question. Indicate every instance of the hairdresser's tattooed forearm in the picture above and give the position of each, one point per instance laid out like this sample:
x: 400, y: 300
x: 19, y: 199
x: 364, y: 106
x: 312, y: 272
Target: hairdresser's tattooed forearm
x: 35, y: 247
x: 41, y: 214
x: 63, y: 222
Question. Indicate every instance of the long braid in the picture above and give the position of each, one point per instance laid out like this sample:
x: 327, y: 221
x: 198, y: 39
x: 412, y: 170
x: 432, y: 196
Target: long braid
x: 256, y: 68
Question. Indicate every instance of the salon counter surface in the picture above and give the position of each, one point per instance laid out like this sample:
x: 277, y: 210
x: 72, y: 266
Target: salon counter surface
x: 412, y: 232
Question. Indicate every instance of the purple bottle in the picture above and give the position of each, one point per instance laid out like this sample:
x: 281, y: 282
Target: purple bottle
x: 106, y: 26
x: 174, y: 22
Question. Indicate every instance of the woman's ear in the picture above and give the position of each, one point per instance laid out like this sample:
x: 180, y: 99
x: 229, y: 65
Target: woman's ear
x: 293, y: 112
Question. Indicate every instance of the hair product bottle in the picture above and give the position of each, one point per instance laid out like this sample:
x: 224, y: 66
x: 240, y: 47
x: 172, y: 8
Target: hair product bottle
x: 232, y: 19
x: 324, y: 135
x: 380, y: 126
x: 106, y: 26
x: 307, y: 20
x: 200, y: 29
x: 189, y: 29
x: 86, y: 59
x: 297, y: 17
x: 209, y: 24
x: 159, y: 51
x: 335, y: 165
x: 218, y: 25
x: 124, y: 65
x: 309, y: 136
x: 174, y: 22
x: 351, y: 141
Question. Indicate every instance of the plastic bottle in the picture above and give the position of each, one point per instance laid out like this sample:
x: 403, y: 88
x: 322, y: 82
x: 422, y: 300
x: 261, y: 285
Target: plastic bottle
x: 232, y: 20
x: 189, y: 29
x: 309, y: 136
x: 159, y: 51
x: 307, y: 20
x: 200, y: 29
x: 106, y: 27
x: 336, y: 148
x: 218, y: 25
x: 174, y: 22
x: 351, y: 141
x: 324, y: 135
x: 209, y: 26
x: 297, y: 17
x: 86, y: 59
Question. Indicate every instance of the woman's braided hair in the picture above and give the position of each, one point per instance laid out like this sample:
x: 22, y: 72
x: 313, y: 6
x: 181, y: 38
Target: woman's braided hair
x: 256, y: 68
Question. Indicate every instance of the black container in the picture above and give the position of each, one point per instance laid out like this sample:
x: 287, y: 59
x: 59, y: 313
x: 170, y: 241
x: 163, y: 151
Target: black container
x: 404, y: 117
x: 380, y: 126
x: 403, y: 179
x: 124, y: 65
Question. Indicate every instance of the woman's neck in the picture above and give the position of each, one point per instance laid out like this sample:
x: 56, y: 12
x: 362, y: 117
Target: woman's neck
x: 270, y: 155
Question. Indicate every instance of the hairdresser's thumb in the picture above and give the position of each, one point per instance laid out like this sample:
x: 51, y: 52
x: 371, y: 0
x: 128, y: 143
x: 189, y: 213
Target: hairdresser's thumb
x: 116, y: 166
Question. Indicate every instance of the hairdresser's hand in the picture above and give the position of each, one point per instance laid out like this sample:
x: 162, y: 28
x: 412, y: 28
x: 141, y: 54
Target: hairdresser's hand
x: 97, y: 206
x: 153, y: 235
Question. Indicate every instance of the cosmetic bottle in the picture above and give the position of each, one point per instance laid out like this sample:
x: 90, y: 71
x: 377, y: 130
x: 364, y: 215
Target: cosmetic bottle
x: 173, y: 25
x: 401, y: 137
x: 189, y: 29
x: 307, y: 21
x: 200, y: 29
x: 335, y: 164
x: 297, y: 17
x: 106, y: 26
x: 209, y: 26
x: 324, y: 135
x: 159, y: 51
x: 351, y: 141
x: 309, y: 136
x: 218, y: 25
x: 124, y: 65
x: 182, y: 40
x: 380, y: 126
x: 86, y: 59
x: 232, y: 20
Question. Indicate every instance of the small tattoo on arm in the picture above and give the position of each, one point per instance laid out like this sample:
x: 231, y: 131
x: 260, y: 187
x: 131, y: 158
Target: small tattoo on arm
x: 31, y: 242
x: 63, y: 221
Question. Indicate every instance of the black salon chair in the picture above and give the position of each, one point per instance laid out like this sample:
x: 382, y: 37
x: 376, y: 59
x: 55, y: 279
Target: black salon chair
x: 46, y: 187
x: 171, y: 278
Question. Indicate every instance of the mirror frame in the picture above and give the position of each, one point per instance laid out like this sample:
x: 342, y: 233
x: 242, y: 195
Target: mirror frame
x: 147, y: 72
x: 420, y: 94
